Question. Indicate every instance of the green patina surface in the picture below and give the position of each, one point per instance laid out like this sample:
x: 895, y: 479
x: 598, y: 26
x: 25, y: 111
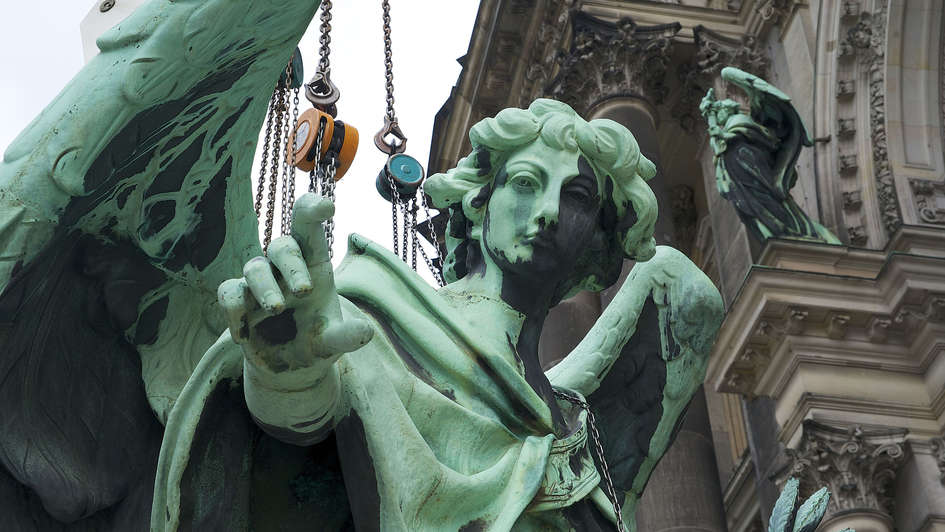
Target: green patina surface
x: 443, y: 415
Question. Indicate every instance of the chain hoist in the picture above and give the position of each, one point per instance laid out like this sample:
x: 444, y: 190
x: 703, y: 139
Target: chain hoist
x: 401, y: 180
x: 321, y: 145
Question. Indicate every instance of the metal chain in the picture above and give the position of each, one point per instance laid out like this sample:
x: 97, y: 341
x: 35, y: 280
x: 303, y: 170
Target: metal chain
x: 406, y: 229
x: 394, y: 210
x: 288, y: 167
x: 290, y: 177
x: 388, y: 62
x: 285, y: 165
x: 437, y: 273
x: 412, y: 209
x: 599, y: 451
x: 264, y: 161
x: 324, y: 38
x: 313, y: 175
x: 278, y: 101
x: 328, y: 191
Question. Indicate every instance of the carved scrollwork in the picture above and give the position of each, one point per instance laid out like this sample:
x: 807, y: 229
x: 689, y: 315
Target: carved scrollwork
x: 938, y: 451
x: 929, y: 200
x: 856, y: 465
x: 608, y: 60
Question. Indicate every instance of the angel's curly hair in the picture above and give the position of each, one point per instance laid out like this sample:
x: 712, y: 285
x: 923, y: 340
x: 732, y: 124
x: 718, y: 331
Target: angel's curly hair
x: 629, y: 207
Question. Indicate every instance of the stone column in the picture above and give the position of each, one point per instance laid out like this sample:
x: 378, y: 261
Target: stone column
x: 858, y: 467
x: 684, y: 494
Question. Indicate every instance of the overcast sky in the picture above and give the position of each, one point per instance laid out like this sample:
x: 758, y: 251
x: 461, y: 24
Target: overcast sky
x: 41, y: 50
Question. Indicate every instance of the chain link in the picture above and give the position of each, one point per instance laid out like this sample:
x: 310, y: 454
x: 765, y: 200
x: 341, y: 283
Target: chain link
x: 437, y: 272
x: 394, y: 210
x: 388, y: 62
x: 278, y: 100
x: 412, y: 209
x: 290, y: 176
x: 324, y: 38
x: 264, y: 161
x: 313, y: 175
x: 599, y: 451
x: 328, y: 191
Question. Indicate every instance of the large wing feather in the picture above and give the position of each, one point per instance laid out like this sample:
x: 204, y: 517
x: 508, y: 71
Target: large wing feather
x: 122, y: 207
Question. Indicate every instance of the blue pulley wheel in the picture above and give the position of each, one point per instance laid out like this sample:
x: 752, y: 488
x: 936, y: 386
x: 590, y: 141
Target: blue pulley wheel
x: 406, y: 173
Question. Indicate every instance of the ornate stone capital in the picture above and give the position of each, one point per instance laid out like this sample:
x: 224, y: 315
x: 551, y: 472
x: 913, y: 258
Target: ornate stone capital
x: 857, y: 466
x: 609, y: 60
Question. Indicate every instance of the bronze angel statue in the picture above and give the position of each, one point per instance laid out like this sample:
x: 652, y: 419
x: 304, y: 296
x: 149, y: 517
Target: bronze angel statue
x: 159, y: 372
x: 755, y: 158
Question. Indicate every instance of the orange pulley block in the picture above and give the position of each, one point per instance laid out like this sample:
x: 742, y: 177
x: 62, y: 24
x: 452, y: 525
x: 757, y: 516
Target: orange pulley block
x: 339, y: 140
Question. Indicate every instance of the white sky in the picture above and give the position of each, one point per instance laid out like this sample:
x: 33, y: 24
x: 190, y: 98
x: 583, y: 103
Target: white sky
x: 41, y: 50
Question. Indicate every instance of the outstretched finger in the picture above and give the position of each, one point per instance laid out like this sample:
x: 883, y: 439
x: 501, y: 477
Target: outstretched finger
x: 262, y: 283
x: 343, y: 337
x: 232, y: 298
x: 309, y: 212
x: 285, y: 254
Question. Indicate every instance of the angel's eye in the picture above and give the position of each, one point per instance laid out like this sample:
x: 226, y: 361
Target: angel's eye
x: 524, y: 181
x: 578, y: 192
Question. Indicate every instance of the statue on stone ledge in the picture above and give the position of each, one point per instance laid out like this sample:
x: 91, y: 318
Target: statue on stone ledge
x: 755, y: 158
x: 146, y: 385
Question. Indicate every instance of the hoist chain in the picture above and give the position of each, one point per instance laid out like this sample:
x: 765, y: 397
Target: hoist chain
x: 328, y: 191
x: 413, y: 233
x: 394, y: 210
x: 599, y: 451
x: 324, y: 38
x: 261, y: 185
x: 290, y: 168
x: 278, y: 102
x: 437, y: 274
x: 388, y: 63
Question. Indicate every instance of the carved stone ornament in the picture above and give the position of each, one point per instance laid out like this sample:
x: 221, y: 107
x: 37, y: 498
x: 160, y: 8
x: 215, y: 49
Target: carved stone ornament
x: 938, y: 452
x: 852, y: 200
x: 929, y: 200
x: 546, y: 51
x: 866, y: 40
x: 608, y: 60
x: 856, y: 465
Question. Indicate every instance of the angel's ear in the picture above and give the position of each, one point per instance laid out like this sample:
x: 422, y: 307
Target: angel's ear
x: 474, y: 208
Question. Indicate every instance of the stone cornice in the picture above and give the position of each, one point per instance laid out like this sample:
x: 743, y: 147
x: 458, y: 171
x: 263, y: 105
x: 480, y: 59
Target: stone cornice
x: 752, y: 17
x: 824, y: 328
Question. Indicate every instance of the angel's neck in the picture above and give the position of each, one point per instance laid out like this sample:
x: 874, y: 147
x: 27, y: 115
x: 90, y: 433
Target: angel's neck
x: 497, y: 303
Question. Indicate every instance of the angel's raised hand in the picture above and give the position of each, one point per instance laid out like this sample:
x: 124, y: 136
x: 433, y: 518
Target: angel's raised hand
x: 285, y: 310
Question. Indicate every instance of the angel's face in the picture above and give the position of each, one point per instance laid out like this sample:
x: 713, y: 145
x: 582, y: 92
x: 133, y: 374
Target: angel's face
x: 543, y: 211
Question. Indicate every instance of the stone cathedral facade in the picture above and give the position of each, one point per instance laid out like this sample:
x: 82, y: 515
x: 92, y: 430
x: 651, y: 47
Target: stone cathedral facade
x: 830, y: 366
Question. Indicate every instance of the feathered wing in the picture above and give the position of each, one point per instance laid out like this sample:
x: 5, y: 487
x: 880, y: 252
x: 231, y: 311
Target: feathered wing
x: 773, y: 109
x: 122, y: 207
x: 642, y: 361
